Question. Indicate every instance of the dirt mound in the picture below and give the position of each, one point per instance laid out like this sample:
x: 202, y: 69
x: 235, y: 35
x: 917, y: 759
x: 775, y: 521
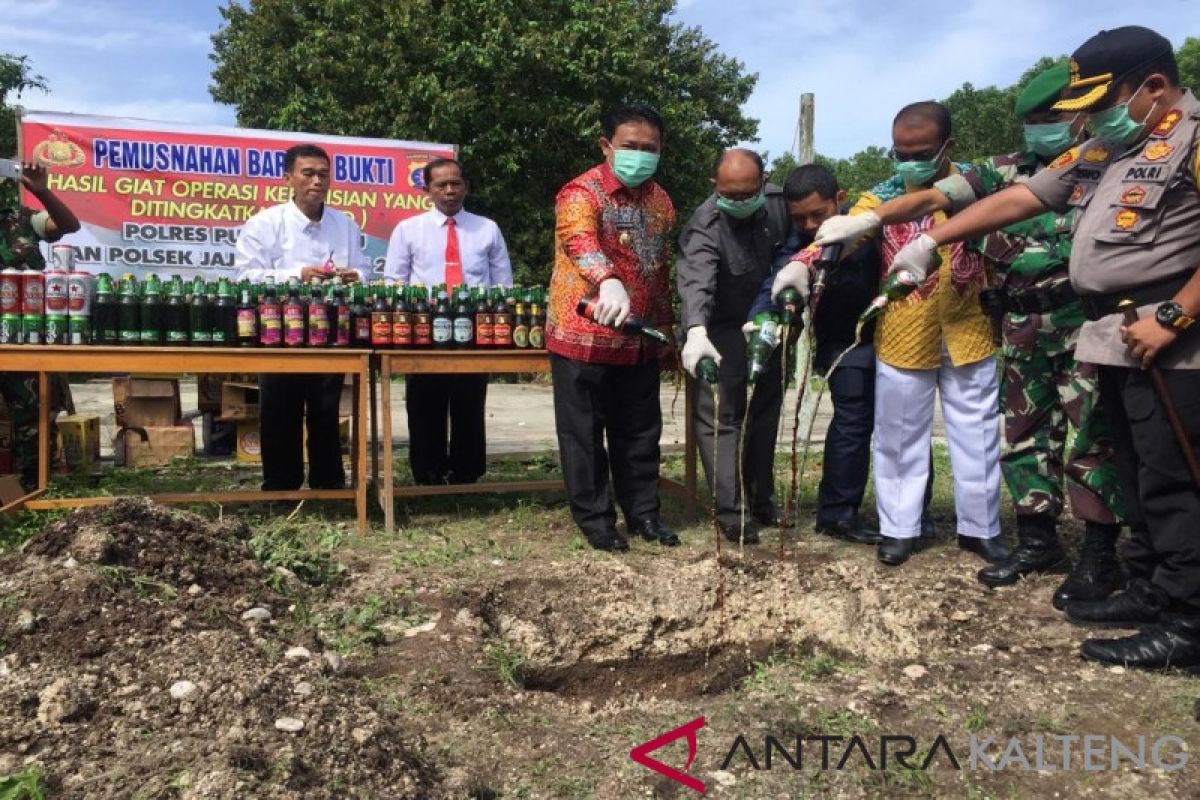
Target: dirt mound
x: 144, y: 653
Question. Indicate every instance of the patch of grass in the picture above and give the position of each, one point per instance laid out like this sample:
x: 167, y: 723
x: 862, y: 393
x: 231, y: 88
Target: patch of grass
x: 305, y: 550
x: 507, y: 661
x: 16, y: 529
x: 358, y: 628
x: 808, y: 666
x: 24, y: 785
x: 977, y: 720
x: 437, y: 553
x: 843, y: 723
x: 147, y: 588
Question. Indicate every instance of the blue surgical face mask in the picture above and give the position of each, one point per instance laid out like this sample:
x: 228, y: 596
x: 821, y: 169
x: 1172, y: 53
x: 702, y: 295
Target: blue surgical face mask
x: 1115, y: 126
x: 634, y: 167
x: 1048, y: 139
x: 742, y: 209
x: 920, y: 173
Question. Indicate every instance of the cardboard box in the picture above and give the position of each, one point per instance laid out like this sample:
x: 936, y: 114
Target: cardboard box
x: 11, y: 489
x: 79, y: 440
x: 147, y: 402
x: 162, y: 445
x: 249, y: 440
x: 239, y: 401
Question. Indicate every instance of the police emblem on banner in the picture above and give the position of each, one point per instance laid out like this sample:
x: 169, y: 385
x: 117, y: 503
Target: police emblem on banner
x: 1134, y: 196
x: 1158, y: 151
x: 58, y: 151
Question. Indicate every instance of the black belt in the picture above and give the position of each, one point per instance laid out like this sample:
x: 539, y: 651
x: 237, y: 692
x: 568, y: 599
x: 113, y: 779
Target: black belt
x: 1039, y: 301
x: 1096, y: 306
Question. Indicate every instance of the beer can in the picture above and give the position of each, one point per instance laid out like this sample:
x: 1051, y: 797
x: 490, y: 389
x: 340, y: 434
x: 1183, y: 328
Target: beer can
x: 33, y: 292
x: 57, y: 297
x: 31, y: 328
x: 63, y: 257
x: 10, y: 291
x: 10, y: 328
x: 79, y: 294
x: 56, y: 329
x: 77, y: 329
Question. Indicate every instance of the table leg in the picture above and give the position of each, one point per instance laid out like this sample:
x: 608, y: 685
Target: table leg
x: 385, y: 392
x: 44, y: 414
x: 374, y: 423
x: 360, y: 443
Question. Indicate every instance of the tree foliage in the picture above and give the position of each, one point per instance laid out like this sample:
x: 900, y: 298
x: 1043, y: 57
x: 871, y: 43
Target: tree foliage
x: 519, y: 85
x: 16, y: 78
x: 1188, y: 56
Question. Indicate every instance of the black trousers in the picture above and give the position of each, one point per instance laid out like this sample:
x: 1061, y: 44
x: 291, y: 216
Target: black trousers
x: 446, y: 436
x: 1162, y: 501
x: 847, y: 444
x: 286, y: 402
x: 595, y: 401
x: 762, y: 426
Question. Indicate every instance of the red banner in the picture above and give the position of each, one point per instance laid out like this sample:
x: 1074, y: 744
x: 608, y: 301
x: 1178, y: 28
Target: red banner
x: 171, y: 198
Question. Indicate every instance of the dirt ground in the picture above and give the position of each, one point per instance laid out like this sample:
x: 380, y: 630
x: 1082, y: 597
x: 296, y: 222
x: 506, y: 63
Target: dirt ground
x: 485, y: 651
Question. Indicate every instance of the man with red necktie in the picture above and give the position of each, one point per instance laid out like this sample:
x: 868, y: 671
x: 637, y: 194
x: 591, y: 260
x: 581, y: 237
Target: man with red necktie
x: 449, y: 245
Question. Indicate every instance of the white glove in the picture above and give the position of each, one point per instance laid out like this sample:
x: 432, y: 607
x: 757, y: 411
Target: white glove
x: 697, y: 347
x: 612, y: 303
x: 848, y: 230
x: 749, y: 329
x: 794, y: 275
x: 917, y: 257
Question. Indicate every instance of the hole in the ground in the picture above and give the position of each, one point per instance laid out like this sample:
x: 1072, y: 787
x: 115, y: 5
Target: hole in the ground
x: 685, y: 675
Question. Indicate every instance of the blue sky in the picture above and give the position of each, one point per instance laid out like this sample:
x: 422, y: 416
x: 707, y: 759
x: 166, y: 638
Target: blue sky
x: 862, y: 59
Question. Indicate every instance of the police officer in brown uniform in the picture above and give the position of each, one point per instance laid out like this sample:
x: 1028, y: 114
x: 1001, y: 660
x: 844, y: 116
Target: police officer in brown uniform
x: 1136, y: 238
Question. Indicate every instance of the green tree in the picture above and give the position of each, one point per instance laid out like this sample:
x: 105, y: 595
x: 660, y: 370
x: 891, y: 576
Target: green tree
x: 517, y: 84
x: 1188, y: 56
x: 16, y: 77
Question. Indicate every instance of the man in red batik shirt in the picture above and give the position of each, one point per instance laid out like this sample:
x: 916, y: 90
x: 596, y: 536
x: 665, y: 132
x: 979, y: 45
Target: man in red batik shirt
x: 611, y: 240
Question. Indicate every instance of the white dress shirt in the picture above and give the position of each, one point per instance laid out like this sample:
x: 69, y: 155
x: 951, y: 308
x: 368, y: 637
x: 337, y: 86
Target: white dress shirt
x: 417, y: 250
x: 281, y: 240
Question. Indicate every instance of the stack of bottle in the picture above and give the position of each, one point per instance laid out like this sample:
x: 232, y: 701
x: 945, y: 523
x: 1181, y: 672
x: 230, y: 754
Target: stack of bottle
x: 174, y: 312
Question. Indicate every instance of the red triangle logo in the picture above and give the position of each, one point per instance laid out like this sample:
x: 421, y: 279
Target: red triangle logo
x: 641, y: 754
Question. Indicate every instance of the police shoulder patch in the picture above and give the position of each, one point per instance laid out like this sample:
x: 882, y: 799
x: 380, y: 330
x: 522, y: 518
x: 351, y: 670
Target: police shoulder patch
x: 1157, y: 151
x: 1167, y: 123
x: 1066, y: 159
x: 1096, y: 155
x: 1134, y: 196
x: 1126, y: 219
x: 1076, y: 193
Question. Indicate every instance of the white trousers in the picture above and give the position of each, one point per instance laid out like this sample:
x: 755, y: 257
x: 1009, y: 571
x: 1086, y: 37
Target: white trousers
x: 903, y: 428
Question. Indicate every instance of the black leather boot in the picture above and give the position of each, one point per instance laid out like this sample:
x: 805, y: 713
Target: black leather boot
x: 1173, y: 644
x: 1038, y: 550
x: 1140, y: 604
x: 1097, y: 573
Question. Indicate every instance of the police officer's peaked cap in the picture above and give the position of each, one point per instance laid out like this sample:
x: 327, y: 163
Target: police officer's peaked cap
x: 1043, y: 91
x: 1100, y: 63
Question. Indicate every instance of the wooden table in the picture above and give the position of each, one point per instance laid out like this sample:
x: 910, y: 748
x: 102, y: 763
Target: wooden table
x: 45, y: 359
x: 392, y: 362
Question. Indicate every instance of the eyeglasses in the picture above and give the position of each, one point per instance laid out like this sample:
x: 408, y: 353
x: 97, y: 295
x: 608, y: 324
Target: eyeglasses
x: 924, y: 155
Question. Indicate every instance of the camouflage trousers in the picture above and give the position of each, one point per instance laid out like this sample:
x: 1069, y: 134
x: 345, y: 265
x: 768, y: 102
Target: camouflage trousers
x: 1039, y: 395
x: 20, y: 393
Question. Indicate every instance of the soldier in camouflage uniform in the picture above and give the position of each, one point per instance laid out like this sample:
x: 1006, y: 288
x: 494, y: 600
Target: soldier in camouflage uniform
x: 1043, y: 387
x: 21, y: 231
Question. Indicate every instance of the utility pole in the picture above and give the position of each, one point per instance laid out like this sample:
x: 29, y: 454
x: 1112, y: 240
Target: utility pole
x: 804, y: 134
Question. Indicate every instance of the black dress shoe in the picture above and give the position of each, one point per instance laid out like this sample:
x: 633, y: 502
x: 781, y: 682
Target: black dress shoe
x: 1158, y: 646
x: 734, y: 532
x: 1038, y: 550
x: 894, y: 552
x: 771, y: 517
x: 992, y: 550
x: 1098, y: 573
x: 1140, y: 604
x: 850, y: 530
x: 653, y: 529
x: 609, y: 540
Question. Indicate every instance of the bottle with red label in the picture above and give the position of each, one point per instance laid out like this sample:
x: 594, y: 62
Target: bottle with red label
x: 246, y: 319
x: 402, y: 325
x: 422, y: 316
x: 294, y: 327
x: 360, y: 317
x: 318, y: 317
x: 339, y: 316
x: 502, y: 319
x: 381, y: 319
x: 484, y: 336
x: 270, y: 318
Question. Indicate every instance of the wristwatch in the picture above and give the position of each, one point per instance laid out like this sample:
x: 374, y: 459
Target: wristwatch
x: 1170, y: 314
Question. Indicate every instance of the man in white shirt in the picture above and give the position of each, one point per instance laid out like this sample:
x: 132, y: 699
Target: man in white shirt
x: 447, y: 245
x: 305, y: 239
